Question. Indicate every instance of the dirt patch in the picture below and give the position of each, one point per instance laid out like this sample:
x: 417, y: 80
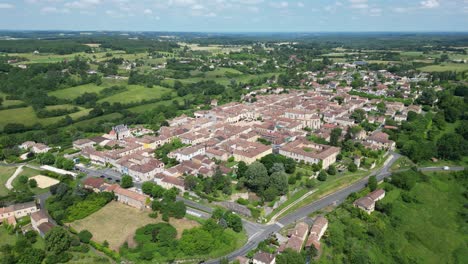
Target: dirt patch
x: 44, y: 181
x: 117, y: 222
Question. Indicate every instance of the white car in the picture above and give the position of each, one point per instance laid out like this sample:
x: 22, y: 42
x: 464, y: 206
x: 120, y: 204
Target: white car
x: 446, y: 168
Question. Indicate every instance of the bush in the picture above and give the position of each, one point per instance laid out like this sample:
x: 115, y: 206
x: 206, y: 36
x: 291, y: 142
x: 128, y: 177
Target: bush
x: 352, y: 167
x: 322, y: 176
x: 85, y: 236
x: 32, y: 183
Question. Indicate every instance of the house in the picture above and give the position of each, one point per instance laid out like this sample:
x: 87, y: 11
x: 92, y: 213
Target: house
x: 83, y: 143
x: 18, y: 210
x: 367, y: 203
x: 243, y: 150
x: 169, y: 182
x: 379, y: 140
x: 243, y: 260
x: 310, y: 152
x: 297, y: 237
x: 264, y: 258
x: 34, y: 147
x: 120, y: 132
x: 94, y: 184
x: 316, y: 232
x: 187, y: 153
x: 40, y: 222
x: 130, y: 198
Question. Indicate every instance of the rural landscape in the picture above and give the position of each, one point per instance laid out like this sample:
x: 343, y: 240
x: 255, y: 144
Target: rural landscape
x: 178, y: 145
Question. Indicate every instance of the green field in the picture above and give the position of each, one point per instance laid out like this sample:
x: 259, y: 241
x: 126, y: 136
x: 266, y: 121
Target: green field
x: 74, y: 92
x: 95, y: 121
x: 428, y: 230
x: 136, y: 93
x: 445, y: 67
x: 27, y: 116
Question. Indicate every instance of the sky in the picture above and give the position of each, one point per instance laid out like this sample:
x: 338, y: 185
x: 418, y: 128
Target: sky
x: 235, y: 15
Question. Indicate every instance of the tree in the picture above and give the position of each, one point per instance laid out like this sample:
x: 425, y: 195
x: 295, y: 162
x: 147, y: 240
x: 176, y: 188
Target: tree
x: 196, y: 241
x: 233, y: 221
x: 322, y: 176
x: 57, y: 241
x: 270, y: 193
x: 32, y: 183
x: 372, y: 183
x: 352, y: 167
x: 179, y: 209
x: 277, y: 167
x: 290, y: 256
x: 147, y: 187
x: 31, y: 256
x: 451, y: 146
x: 85, y: 236
x: 335, y: 136
x: 279, y: 181
x: 46, y: 158
x: 127, y: 181
x: 241, y: 169
x: 358, y: 115
x: 23, y: 179
x: 331, y: 170
x: 257, y: 176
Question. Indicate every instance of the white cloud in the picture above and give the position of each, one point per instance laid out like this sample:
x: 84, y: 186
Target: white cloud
x: 83, y: 4
x: 359, y: 4
x: 300, y: 4
x: 6, y: 6
x: 375, y: 12
x: 253, y: 9
x: 182, y: 2
x: 430, y: 3
x: 53, y: 9
x: 147, y: 11
x: 282, y: 4
x: 198, y: 7
x: 211, y: 14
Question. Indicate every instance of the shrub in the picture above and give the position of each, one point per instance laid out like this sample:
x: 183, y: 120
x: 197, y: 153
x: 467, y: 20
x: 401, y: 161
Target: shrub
x: 32, y: 183
x: 85, y: 236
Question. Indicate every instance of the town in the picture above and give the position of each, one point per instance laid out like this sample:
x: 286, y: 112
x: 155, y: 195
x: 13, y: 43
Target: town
x: 171, y: 147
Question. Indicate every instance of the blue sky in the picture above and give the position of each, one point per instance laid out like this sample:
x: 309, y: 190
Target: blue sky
x: 236, y: 15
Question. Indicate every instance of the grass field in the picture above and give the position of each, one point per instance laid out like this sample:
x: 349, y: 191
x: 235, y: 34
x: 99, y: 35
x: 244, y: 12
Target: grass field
x: 5, y: 173
x: 74, y: 92
x: 27, y: 116
x: 117, y: 223
x: 431, y: 230
x: 95, y: 121
x: 137, y: 93
x: 445, y: 67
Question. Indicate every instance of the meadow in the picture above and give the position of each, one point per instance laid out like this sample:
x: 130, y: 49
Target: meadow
x: 137, y: 93
x: 27, y: 116
x: 429, y: 229
x: 459, y: 67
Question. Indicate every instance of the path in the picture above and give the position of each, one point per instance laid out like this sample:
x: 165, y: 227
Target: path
x: 9, y: 183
